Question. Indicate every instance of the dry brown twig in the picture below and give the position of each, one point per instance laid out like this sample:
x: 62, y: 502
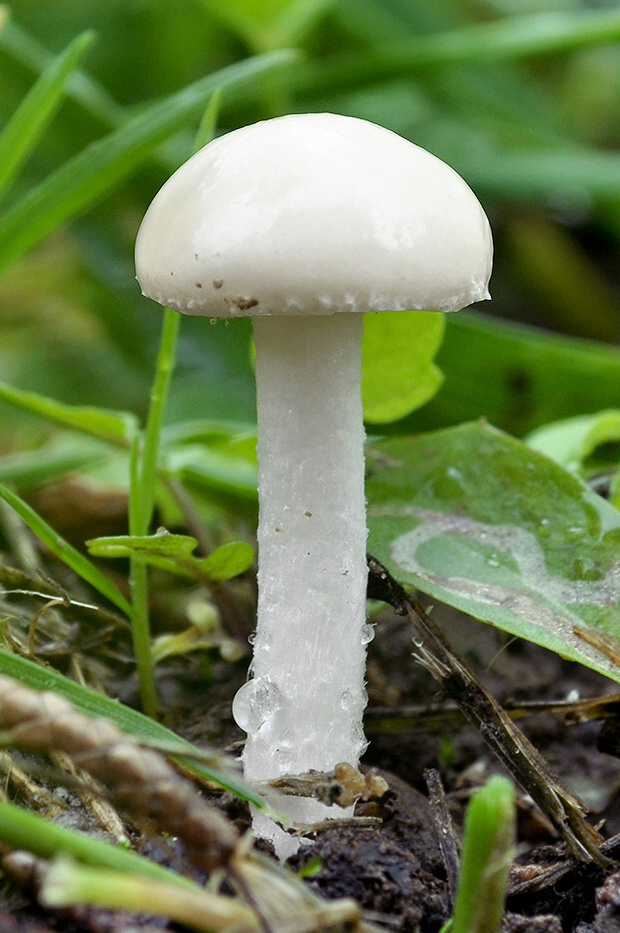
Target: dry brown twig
x: 526, y: 764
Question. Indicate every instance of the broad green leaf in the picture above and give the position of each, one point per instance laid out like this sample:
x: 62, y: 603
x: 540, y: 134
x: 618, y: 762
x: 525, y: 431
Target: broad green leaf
x: 28, y: 123
x: 83, y: 180
x: 398, y: 373
x: 227, y: 561
x: 175, y: 553
x: 573, y: 441
x: 66, y: 552
x: 129, y: 720
x: 486, y: 524
x: 116, y: 427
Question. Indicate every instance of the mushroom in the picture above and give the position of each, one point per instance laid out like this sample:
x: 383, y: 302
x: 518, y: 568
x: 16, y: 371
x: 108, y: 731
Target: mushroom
x: 305, y: 222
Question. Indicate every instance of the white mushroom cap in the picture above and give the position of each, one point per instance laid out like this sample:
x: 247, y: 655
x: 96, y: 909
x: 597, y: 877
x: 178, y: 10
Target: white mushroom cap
x: 312, y: 214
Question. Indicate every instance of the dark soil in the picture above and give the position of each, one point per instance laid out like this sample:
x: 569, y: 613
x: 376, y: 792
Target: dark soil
x: 394, y: 867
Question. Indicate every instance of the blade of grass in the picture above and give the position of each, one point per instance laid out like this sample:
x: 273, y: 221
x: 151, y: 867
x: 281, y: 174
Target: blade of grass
x: 31, y: 468
x: 145, y: 489
x: 138, y: 584
x: 81, y: 87
x: 83, y: 180
x: 116, y: 427
x: 507, y: 39
x: 129, y: 720
x: 142, y: 500
x: 66, y: 552
x: 21, y: 829
x: 66, y: 883
x: 28, y: 123
x: 549, y: 173
x: 208, y: 123
x: 488, y: 848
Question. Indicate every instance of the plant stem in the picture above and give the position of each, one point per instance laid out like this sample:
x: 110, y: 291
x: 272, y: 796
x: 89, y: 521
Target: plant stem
x: 159, y: 397
x: 144, y: 456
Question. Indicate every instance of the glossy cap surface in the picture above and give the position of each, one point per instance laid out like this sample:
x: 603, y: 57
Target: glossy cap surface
x: 313, y: 214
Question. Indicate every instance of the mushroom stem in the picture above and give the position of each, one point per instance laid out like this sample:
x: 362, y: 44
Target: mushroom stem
x: 303, y: 707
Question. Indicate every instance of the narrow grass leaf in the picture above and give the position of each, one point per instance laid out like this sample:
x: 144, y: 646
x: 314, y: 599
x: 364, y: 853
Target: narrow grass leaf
x: 21, y: 829
x: 510, y: 38
x: 31, y: 468
x: 28, y: 123
x: 129, y: 720
x: 81, y: 87
x: 208, y: 123
x: 66, y: 883
x: 116, y: 427
x: 488, y: 849
x: 83, y: 180
x: 66, y: 552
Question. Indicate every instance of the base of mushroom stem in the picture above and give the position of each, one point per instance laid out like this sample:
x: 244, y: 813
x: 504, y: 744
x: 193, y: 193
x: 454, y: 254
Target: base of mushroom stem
x: 301, y: 811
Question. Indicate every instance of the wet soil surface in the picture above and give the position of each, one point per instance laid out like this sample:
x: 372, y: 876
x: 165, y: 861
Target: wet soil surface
x: 389, y: 859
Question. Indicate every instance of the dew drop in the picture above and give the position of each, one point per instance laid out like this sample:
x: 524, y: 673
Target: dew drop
x: 255, y: 703
x: 544, y: 529
x: 368, y: 633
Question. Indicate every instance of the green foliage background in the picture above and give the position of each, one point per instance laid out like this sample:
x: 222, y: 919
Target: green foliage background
x: 100, y: 102
x: 520, y: 98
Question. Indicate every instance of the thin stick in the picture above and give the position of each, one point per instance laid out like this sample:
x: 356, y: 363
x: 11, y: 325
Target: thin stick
x: 526, y: 764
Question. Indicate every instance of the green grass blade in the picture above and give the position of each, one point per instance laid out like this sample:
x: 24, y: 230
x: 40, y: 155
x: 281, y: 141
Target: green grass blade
x: 20, y: 829
x: 208, y: 122
x: 28, y: 123
x: 81, y: 87
x: 30, y: 468
x: 68, y: 883
x: 129, y: 720
x: 166, y: 359
x: 508, y: 39
x: 488, y: 848
x: 65, y: 551
x: 534, y: 174
x: 115, y: 427
x: 83, y: 180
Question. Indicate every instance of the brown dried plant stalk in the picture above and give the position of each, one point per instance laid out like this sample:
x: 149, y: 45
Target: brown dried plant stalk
x: 138, y: 779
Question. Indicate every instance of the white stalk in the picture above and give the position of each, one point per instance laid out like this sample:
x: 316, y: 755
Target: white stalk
x: 303, y: 707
